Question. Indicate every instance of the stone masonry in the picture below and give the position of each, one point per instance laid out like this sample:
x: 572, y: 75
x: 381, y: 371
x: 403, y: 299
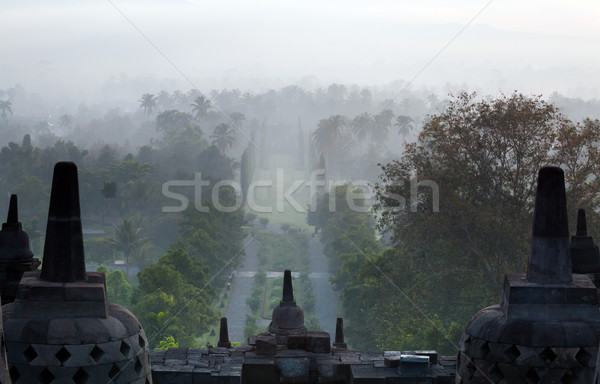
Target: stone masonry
x: 547, y: 327
x: 60, y: 328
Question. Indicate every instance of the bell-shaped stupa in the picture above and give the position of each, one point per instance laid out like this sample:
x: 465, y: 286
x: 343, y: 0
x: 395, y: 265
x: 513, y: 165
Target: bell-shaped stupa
x: 547, y: 327
x: 61, y: 327
x: 287, y: 317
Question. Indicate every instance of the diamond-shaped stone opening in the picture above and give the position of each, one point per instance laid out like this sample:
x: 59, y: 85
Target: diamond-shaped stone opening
x: 496, y: 373
x: 114, y: 371
x: 570, y: 377
x: 14, y: 374
x: 532, y: 377
x: 147, y: 381
x: 485, y: 350
x: 81, y: 376
x: 584, y: 357
x: 96, y: 353
x: 63, y: 355
x: 141, y: 341
x: 125, y: 348
x: 46, y: 376
x: 138, y: 366
x: 30, y: 354
x: 547, y: 355
x: 512, y: 353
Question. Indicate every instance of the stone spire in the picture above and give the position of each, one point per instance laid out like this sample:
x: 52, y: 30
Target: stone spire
x: 13, y: 212
x: 543, y: 313
x: 585, y: 255
x: 15, y: 255
x: 287, y: 316
x: 64, y: 260
x: 288, y: 291
x: 339, y: 334
x: 224, y: 334
x: 549, y: 260
x: 61, y: 327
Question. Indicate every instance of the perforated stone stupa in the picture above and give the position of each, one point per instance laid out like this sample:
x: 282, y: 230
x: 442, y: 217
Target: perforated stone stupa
x: 547, y: 326
x: 15, y: 256
x: 61, y: 328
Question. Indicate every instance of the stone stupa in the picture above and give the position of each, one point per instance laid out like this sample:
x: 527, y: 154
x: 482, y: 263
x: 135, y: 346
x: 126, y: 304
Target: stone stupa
x: 61, y: 327
x: 15, y: 256
x: 547, y: 326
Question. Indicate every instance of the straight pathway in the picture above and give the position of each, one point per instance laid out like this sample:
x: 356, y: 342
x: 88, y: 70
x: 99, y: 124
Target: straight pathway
x: 327, y: 301
x: 242, y: 286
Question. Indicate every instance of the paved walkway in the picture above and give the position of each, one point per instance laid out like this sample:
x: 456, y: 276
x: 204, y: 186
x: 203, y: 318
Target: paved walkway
x: 327, y: 303
x: 241, y: 289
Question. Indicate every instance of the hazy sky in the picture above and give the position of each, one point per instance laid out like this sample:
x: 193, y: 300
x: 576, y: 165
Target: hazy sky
x: 85, y: 47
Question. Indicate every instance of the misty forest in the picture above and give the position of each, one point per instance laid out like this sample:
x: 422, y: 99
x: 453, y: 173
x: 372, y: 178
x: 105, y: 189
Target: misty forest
x: 380, y: 198
x: 355, y: 139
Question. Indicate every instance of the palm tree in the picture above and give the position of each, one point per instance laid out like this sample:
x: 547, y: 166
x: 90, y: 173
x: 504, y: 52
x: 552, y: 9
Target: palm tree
x: 129, y: 238
x: 179, y: 99
x: 382, y: 123
x: 200, y: 107
x: 147, y: 103
x: 5, y: 106
x: 223, y: 137
x: 327, y: 136
x: 236, y: 119
x: 361, y: 125
x: 164, y: 100
x: 404, y: 124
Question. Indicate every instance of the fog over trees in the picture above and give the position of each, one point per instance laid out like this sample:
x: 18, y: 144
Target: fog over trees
x: 217, y: 143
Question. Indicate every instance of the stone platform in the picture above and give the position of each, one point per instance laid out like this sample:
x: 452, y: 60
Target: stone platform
x: 244, y: 365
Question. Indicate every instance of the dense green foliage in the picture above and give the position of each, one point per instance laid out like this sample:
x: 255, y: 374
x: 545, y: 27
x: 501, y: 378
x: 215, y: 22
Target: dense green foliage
x: 483, y: 155
x: 174, y: 299
x: 467, y: 223
x: 456, y: 207
x: 118, y: 288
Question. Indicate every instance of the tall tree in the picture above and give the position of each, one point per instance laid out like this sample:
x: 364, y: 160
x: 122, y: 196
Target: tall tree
x: 223, y: 137
x: 362, y: 125
x: 5, y: 107
x: 476, y: 163
x: 405, y: 124
x: 327, y: 138
x: 164, y: 100
x: 147, y: 103
x: 301, y: 162
x: 200, y: 107
x: 382, y: 122
x: 237, y: 119
x: 129, y: 238
x: 246, y: 171
x: 263, y: 145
